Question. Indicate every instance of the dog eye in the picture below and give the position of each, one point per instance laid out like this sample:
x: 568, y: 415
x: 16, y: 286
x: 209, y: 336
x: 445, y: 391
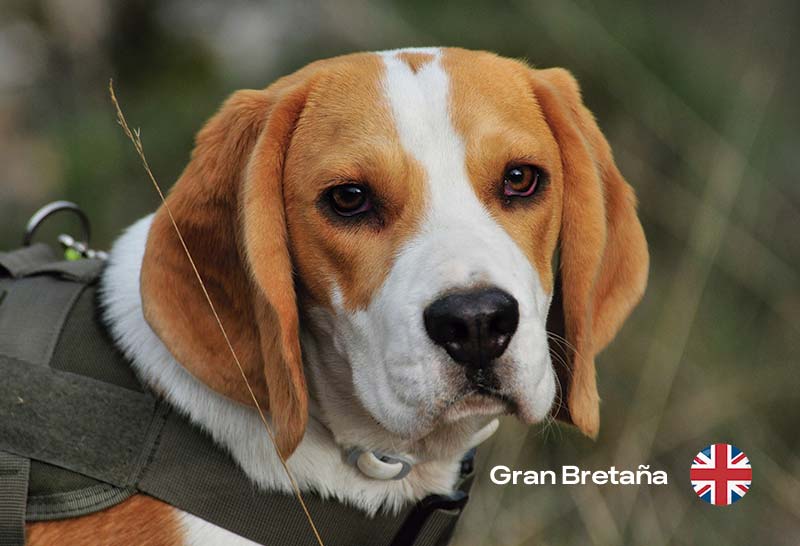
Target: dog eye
x: 349, y: 199
x: 520, y: 181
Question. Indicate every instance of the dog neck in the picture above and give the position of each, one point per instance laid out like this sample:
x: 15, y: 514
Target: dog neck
x: 319, y: 464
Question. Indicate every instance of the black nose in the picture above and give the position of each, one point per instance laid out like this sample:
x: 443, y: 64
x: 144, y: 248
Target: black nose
x: 473, y: 327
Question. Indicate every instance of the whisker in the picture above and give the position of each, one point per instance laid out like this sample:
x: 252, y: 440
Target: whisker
x: 564, y: 341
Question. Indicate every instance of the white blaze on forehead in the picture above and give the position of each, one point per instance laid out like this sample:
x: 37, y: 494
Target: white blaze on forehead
x: 421, y: 107
x: 420, y: 103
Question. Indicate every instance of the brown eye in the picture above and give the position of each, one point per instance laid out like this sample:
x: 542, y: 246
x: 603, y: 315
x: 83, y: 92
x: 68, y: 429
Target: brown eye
x: 520, y: 181
x: 349, y: 199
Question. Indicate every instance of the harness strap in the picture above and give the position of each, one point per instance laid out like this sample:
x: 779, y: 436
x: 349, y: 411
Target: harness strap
x: 45, y: 299
x: 14, y: 472
x: 46, y: 411
x: 433, y: 519
x: 19, y: 262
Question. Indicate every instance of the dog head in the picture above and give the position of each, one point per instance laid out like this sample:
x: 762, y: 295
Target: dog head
x: 400, y: 212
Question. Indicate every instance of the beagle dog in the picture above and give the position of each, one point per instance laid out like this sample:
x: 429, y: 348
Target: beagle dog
x: 379, y: 234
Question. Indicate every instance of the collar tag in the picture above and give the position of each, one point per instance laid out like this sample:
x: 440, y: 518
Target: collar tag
x: 379, y: 465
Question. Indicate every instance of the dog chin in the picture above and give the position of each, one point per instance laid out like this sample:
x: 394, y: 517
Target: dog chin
x: 530, y: 408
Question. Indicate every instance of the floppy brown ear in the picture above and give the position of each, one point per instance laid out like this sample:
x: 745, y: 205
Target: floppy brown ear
x: 228, y: 204
x: 603, y: 252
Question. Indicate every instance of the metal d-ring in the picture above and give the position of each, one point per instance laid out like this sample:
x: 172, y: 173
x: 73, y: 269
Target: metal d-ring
x: 48, y: 210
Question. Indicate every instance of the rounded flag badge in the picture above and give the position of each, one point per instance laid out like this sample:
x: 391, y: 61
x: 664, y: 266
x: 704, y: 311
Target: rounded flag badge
x: 721, y: 474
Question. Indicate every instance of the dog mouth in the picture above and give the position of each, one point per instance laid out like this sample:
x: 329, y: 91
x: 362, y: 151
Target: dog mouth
x: 479, y: 401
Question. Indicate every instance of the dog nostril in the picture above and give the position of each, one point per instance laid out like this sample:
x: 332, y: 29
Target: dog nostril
x: 503, y: 324
x: 474, y: 327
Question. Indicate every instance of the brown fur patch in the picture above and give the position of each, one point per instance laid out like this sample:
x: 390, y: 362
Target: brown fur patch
x: 415, y: 61
x: 139, y: 520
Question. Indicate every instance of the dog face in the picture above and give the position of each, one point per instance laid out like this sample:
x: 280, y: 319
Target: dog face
x: 422, y: 219
x: 402, y: 211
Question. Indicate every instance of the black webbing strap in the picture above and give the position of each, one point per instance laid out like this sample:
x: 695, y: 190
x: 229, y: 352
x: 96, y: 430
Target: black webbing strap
x: 13, y: 498
x: 433, y: 519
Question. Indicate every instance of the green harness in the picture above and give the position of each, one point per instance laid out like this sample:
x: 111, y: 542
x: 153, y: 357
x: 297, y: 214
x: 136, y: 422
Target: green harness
x: 79, y: 433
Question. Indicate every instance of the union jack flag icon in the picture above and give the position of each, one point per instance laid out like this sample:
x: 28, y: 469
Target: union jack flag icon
x: 721, y: 474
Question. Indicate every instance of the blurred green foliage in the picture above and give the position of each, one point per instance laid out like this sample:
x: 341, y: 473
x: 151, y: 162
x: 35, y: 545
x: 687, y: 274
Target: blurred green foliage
x: 698, y: 99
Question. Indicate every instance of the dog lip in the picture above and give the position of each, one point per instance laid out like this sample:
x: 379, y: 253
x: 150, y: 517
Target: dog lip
x: 479, y: 402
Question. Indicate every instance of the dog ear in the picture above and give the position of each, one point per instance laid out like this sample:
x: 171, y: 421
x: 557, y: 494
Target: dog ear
x: 228, y: 205
x: 603, y: 252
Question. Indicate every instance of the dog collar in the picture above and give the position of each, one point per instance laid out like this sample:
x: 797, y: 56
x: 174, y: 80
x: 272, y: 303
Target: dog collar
x: 378, y: 465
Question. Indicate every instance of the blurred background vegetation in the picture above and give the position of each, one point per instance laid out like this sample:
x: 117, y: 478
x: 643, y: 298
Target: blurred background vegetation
x: 699, y: 101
